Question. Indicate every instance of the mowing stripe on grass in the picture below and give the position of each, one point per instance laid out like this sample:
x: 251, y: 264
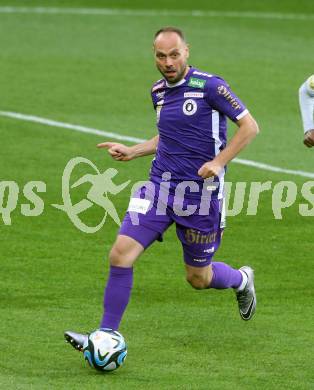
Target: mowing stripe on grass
x: 156, y: 12
x: 120, y: 137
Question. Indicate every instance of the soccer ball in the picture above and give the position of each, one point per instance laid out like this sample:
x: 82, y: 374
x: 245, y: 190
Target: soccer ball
x: 105, y: 349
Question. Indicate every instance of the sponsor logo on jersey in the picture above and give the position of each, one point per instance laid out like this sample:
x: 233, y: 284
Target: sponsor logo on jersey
x: 158, y: 86
x: 222, y: 90
x: 202, y: 74
x: 196, y: 83
x: 193, y: 236
x: 194, y: 94
x: 189, y: 107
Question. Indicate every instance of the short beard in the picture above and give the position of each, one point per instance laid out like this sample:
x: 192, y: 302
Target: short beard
x: 178, y: 78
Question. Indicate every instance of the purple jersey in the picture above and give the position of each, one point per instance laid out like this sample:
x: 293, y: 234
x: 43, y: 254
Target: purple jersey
x: 192, y: 124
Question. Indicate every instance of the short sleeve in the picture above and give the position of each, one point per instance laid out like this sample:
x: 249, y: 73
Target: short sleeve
x: 154, y: 99
x: 223, y: 99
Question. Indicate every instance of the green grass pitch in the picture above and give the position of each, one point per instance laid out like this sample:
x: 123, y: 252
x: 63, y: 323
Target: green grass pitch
x: 96, y: 71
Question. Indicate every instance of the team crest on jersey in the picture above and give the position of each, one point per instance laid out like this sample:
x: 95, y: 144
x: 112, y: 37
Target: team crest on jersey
x: 189, y: 107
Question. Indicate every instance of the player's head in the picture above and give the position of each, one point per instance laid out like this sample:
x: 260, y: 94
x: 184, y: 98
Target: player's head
x: 171, y: 53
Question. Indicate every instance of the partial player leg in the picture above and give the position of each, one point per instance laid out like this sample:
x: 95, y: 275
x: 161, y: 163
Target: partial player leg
x: 199, y: 277
x: 136, y: 234
x: 122, y: 256
x: 130, y: 243
x: 219, y: 276
x: 199, y: 248
x: 214, y: 275
x: 242, y: 281
x: 200, y: 236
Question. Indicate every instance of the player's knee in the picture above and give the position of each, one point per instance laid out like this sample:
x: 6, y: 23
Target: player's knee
x: 117, y: 256
x: 199, y: 282
x: 122, y: 256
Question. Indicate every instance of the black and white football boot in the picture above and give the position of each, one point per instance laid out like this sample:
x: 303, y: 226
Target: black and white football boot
x: 246, y: 297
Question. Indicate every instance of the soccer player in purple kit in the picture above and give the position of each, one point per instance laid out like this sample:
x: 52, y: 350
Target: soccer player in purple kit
x: 191, y: 152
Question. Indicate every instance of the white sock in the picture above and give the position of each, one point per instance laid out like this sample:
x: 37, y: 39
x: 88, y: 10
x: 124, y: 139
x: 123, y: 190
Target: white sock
x: 244, y: 281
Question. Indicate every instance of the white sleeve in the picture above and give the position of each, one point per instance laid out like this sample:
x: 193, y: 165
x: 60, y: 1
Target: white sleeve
x: 306, y: 100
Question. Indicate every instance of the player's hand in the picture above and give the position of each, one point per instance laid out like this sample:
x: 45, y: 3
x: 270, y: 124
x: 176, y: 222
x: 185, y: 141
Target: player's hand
x: 210, y: 169
x: 118, y: 152
x: 309, y: 138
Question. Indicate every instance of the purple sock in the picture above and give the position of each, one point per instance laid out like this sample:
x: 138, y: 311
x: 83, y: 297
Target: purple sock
x: 225, y: 277
x: 116, y: 296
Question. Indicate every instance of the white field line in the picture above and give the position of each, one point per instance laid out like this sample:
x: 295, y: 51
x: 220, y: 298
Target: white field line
x: 156, y: 13
x: 120, y: 137
x: 82, y: 129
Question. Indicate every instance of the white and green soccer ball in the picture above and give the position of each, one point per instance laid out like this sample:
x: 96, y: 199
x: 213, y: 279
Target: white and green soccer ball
x: 105, y: 349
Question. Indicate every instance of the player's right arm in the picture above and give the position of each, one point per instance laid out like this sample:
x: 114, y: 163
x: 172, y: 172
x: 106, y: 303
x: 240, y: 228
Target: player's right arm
x: 121, y: 152
x: 306, y: 100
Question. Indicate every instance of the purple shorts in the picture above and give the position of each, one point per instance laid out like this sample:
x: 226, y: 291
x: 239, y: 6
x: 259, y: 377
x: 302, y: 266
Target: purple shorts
x: 148, y: 217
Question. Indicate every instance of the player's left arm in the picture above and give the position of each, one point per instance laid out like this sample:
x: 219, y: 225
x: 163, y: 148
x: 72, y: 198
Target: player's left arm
x: 247, y: 130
